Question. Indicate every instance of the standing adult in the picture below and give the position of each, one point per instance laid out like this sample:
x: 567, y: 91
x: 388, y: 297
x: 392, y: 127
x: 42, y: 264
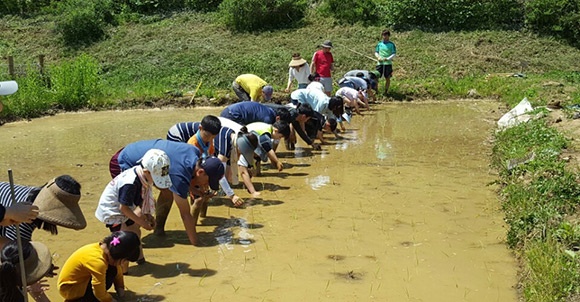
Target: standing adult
x: 250, y: 87
x: 323, y: 64
x: 299, y: 70
x: 187, y: 171
x: 385, y: 52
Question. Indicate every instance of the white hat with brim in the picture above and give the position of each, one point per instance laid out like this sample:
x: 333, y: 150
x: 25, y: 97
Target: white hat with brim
x: 8, y: 87
x: 59, y: 207
x: 38, y: 264
x: 296, y: 61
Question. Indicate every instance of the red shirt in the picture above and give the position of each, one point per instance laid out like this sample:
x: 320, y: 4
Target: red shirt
x: 322, y: 62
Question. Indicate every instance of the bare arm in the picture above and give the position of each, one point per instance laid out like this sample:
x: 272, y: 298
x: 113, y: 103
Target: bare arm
x: 274, y: 159
x: 128, y: 212
x: 188, y: 223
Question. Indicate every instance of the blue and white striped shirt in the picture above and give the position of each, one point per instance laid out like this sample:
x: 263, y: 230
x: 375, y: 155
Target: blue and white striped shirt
x: 20, y: 192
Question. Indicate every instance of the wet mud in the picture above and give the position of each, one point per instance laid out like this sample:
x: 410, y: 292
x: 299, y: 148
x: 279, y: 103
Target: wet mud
x: 398, y: 210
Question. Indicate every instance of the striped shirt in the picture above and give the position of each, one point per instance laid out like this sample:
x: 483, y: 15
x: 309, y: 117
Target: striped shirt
x: 182, y: 132
x: 21, y: 193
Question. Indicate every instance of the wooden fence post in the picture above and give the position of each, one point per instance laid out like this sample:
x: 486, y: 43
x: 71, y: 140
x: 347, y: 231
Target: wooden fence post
x: 11, y: 67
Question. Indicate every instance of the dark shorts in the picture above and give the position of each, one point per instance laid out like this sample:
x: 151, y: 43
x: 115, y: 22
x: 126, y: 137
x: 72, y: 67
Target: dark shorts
x: 114, y: 167
x: 117, y: 227
x: 385, y: 70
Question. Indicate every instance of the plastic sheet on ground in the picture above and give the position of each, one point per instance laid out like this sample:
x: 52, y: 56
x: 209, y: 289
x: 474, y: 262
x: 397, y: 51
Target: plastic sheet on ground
x: 516, y: 116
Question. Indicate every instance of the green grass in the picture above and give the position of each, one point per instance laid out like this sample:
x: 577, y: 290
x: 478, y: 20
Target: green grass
x: 166, y: 58
x: 146, y: 60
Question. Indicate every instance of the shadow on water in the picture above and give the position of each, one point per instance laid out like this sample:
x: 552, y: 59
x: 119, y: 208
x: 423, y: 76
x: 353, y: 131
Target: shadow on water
x: 168, y: 270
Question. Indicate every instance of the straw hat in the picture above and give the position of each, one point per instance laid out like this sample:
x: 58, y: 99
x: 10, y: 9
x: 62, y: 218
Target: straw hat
x: 37, y: 264
x: 59, y: 207
x: 297, y: 61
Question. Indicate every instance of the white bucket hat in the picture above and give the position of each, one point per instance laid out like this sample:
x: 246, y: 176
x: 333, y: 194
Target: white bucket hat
x: 157, y: 163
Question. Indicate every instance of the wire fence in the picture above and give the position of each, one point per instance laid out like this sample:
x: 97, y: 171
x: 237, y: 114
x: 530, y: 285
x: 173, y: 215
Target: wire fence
x: 13, y: 70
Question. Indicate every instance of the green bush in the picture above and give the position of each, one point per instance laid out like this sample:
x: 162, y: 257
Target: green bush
x: 352, y: 11
x: 83, y: 22
x: 260, y: 15
x: 75, y: 83
x: 21, y: 7
x: 442, y: 15
x: 554, y: 17
x: 32, y: 98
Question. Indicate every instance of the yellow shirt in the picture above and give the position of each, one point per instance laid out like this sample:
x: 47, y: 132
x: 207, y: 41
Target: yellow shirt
x: 86, y: 264
x: 252, y: 84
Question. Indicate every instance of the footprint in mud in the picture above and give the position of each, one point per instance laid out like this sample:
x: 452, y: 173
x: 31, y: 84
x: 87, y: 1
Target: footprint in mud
x: 409, y: 244
x: 336, y: 257
x: 350, y: 275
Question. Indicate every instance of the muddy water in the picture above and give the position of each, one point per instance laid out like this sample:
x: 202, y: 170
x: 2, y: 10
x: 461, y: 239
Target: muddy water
x: 399, y: 210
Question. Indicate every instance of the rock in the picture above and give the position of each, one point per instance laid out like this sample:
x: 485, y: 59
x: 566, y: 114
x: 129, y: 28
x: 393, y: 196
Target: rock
x: 472, y: 93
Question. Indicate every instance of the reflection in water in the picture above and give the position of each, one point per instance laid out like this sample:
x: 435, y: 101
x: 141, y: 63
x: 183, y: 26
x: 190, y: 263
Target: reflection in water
x: 407, y: 215
x: 384, y: 149
x: 317, y: 182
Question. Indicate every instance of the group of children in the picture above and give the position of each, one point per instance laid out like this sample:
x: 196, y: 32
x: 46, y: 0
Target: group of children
x: 196, y: 162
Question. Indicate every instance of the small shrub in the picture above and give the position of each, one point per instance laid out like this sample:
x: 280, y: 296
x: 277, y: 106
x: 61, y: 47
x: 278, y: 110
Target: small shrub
x: 32, y: 98
x: 83, y: 22
x: 260, y: 15
x: 352, y: 11
x: 75, y: 83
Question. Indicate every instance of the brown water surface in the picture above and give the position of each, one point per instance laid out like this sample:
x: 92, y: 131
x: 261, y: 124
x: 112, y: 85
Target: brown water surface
x: 399, y: 210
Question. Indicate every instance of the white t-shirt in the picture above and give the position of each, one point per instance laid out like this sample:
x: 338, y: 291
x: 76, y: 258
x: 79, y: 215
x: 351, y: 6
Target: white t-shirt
x: 300, y: 75
x: 124, y: 189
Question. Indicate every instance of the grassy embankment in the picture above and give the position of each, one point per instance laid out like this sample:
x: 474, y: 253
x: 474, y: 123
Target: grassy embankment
x: 161, y: 60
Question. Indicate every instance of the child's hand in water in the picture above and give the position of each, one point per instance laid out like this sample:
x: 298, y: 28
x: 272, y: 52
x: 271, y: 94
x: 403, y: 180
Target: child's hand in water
x: 237, y: 201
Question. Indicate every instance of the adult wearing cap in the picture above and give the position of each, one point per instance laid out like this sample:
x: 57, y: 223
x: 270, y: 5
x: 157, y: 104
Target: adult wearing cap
x: 250, y: 87
x: 37, y: 264
x: 187, y: 171
x: 299, y: 115
x: 299, y: 70
x: 371, y: 77
x: 127, y: 203
x: 57, y: 202
x: 323, y: 64
x: 229, y: 145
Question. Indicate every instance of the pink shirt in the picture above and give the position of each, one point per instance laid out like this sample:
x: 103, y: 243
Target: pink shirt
x: 322, y: 62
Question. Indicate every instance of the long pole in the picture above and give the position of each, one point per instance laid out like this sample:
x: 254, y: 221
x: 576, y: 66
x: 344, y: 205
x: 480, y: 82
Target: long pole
x: 19, y: 242
x: 362, y: 54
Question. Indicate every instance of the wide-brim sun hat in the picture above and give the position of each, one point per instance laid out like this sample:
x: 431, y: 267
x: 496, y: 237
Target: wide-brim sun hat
x: 297, y: 61
x: 8, y: 87
x: 59, y: 207
x: 326, y: 44
x: 38, y: 264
